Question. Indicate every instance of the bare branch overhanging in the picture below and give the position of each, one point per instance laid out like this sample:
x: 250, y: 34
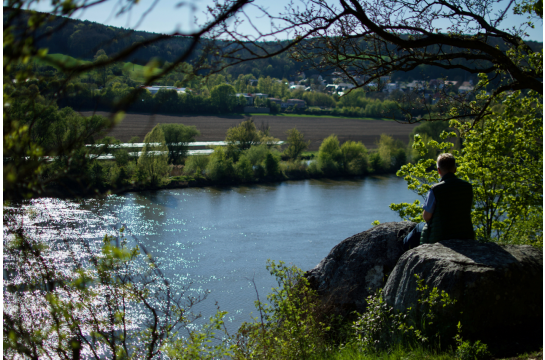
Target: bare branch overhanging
x: 376, y: 38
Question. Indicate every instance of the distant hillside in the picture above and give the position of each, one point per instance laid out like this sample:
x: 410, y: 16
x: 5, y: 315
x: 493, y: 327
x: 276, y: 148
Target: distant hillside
x: 82, y: 39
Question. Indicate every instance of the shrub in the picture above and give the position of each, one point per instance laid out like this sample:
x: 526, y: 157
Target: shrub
x: 195, y: 162
x: 381, y: 327
x: 375, y: 163
x: 467, y: 350
x: 271, y: 165
x: 259, y: 171
x: 329, y: 156
x: 121, y: 157
x: 176, y: 137
x: 154, y: 165
x: 294, y: 169
x: 314, y: 170
x: 96, y: 175
x: 296, y: 143
x: 392, y: 153
x: 256, y: 154
x: 244, y: 170
x: 292, y: 325
x: 355, y: 160
x: 220, y: 167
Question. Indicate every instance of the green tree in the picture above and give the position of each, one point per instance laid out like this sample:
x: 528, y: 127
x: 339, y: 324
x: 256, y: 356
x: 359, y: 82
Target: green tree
x: 355, y: 161
x: 502, y: 157
x: 102, y: 72
x: 256, y: 154
x: 392, y: 152
x: 244, y: 135
x: 296, y: 143
x: 223, y: 98
x: 196, y: 164
x: 244, y: 169
x: 153, y: 160
x: 265, y: 85
x: 220, y: 168
x: 176, y: 137
x: 271, y: 165
x: 330, y: 156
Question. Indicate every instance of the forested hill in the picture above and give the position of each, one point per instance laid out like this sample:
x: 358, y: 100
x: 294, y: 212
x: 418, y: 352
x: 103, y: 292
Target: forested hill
x: 82, y: 39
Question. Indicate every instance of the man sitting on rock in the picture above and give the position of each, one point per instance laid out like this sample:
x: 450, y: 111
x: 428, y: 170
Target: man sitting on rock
x: 447, y: 209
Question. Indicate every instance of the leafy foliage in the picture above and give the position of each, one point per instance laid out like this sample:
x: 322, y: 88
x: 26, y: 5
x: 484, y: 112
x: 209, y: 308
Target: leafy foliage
x: 290, y: 326
x: 467, y: 350
x: 355, y: 159
x: 381, y: 327
x: 502, y: 158
x: 245, y: 134
x: 176, y: 137
x: 296, y: 143
x: 153, y: 161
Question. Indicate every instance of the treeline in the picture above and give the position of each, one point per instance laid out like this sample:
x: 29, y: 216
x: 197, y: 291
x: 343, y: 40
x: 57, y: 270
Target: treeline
x: 222, y: 99
x: 82, y: 39
x: 102, y: 90
x: 250, y: 156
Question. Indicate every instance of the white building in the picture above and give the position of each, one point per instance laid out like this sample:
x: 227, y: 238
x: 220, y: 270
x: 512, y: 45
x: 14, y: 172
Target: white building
x: 154, y: 89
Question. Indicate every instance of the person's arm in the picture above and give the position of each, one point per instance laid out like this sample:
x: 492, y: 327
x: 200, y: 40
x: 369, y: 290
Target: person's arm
x: 429, y: 206
x: 426, y: 215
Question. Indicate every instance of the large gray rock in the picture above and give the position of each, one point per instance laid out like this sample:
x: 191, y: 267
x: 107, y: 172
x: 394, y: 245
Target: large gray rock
x: 357, y: 266
x: 499, y: 289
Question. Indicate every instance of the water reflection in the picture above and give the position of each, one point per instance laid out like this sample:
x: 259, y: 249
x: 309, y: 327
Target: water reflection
x: 220, y: 237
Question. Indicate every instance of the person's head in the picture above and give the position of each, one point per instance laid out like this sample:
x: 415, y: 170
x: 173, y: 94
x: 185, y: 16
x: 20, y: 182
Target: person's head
x: 446, y: 164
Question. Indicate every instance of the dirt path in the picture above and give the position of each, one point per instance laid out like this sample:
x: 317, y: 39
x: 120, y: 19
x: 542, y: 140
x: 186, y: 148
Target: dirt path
x: 213, y: 128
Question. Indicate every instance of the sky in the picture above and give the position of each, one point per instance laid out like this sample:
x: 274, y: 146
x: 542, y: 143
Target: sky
x: 168, y: 16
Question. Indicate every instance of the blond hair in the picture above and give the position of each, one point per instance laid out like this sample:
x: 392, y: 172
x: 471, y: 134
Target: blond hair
x: 446, y: 162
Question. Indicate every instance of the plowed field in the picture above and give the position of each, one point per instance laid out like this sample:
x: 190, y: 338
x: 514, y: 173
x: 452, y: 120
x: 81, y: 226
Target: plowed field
x: 315, y: 129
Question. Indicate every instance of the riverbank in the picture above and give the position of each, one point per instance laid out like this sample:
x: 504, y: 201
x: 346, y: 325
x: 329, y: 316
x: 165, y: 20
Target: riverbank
x: 188, y: 181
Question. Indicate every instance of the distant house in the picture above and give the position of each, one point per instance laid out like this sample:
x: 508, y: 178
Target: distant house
x: 253, y: 82
x: 339, y: 87
x: 436, y: 84
x: 249, y: 98
x: 451, y: 83
x: 155, y: 89
x: 345, y: 86
x: 297, y: 87
x: 466, y: 87
x: 390, y: 87
x: 300, y: 104
x: 275, y: 100
x: 416, y: 85
x: 261, y: 96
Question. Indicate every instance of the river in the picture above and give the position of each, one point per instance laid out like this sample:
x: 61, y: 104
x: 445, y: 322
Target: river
x: 219, y: 238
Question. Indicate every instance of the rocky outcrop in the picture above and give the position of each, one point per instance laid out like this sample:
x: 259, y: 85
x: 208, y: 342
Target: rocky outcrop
x: 357, y: 266
x: 499, y: 289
